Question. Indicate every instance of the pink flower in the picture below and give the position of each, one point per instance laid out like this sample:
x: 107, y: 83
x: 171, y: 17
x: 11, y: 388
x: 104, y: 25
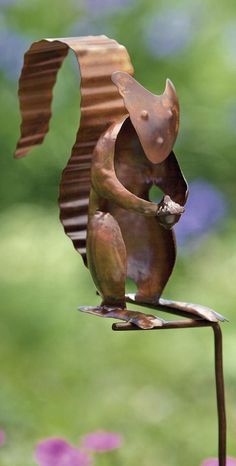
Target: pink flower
x: 101, y: 441
x: 2, y: 437
x: 215, y: 462
x: 57, y: 452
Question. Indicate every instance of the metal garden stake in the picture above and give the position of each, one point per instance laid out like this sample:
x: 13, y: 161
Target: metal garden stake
x: 123, y: 147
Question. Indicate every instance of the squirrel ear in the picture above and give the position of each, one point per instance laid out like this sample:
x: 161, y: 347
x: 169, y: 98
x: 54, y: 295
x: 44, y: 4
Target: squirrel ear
x: 170, y: 92
x: 123, y: 81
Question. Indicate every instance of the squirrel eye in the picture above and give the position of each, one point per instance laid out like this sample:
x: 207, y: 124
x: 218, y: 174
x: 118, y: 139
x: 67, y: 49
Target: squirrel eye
x: 144, y: 115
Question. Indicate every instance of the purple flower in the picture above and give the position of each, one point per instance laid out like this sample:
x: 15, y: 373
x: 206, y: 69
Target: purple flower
x: 169, y: 32
x: 106, y: 7
x: 215, y: 462
x: 205, y: 207
x: 102, y: 441
x: 2, y: 437
x: 57, y: 452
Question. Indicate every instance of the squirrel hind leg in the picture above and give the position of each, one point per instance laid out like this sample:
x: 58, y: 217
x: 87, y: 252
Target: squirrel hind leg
x: 107, y: 262
x: 106, y: 254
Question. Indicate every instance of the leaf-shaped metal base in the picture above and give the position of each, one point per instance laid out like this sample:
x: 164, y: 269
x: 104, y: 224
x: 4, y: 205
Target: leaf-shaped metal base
x: 139, y: 319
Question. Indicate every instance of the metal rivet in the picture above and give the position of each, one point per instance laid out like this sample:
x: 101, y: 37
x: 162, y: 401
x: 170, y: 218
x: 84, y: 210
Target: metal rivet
x: 144, y: 114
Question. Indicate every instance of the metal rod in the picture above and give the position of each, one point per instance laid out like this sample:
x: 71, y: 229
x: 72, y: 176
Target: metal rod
x: 219, y: 374
x: 220, y: 394
x: 190, y: 323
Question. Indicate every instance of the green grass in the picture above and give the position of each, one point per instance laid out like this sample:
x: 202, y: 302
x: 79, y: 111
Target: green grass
x: 65, y: 374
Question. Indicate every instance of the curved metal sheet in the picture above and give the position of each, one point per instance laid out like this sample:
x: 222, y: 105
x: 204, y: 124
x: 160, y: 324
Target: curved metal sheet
x: 101, y: 105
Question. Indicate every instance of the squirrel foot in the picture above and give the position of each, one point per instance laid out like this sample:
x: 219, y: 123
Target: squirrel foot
x: 141, y: 320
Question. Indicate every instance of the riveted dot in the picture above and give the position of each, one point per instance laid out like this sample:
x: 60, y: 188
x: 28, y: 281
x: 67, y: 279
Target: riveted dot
x: 144, y: 114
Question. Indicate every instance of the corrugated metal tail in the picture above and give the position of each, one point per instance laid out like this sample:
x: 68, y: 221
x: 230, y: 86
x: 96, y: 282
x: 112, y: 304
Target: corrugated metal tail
x: 101, y: 105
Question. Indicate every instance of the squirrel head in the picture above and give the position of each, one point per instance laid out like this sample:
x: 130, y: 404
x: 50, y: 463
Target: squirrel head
x: 154, y: 117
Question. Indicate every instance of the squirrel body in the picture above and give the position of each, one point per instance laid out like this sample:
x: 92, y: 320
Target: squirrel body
x: 120, y: 210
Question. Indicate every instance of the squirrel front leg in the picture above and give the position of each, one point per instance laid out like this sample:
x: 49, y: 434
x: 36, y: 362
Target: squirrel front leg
x: 105, y: 181
x: 173, y: 184
x: 107, y: 185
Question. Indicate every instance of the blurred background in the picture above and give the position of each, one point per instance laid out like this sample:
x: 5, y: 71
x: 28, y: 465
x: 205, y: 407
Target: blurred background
x: 65, y: 374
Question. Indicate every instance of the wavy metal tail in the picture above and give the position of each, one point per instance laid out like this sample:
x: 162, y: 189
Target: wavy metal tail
x: 101, y: 105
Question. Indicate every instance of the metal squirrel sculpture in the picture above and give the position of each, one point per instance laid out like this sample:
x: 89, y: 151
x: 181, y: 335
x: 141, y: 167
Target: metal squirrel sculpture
x: 124, y: 146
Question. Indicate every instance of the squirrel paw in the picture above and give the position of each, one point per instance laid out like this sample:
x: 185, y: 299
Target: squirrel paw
x: 141, y: 320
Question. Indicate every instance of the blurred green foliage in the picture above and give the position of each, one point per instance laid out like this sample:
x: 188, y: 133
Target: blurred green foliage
x: 66, y: 374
